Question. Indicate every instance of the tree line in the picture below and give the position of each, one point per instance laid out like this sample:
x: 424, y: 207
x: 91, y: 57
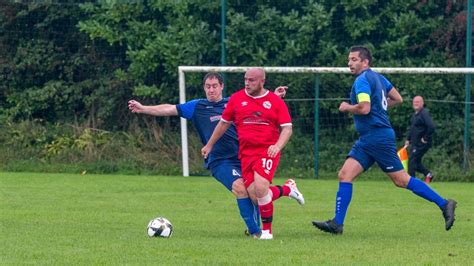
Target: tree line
x: 68, y: 67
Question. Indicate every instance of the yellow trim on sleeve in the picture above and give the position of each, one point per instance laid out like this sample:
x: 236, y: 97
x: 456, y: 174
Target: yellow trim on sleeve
x: 363, y: 97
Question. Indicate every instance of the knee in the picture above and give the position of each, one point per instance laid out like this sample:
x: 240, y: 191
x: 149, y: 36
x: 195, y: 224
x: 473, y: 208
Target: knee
x: 402, y: 181
x: 399, y: 183
x: 238, y: 189
x: 261, y: 186
x: 344, y: 176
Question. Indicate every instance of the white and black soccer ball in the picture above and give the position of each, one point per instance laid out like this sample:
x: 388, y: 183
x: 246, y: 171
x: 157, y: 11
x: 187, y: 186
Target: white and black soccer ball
x: 160, y: 227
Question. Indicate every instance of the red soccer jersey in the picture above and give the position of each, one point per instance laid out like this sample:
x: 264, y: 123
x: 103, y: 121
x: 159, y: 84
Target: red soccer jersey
x: 257, y: 119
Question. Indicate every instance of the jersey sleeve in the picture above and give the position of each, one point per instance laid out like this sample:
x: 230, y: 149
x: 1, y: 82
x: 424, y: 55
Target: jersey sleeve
x: 386, y: 84
x: 362, y: 86
x: 284, y: 118
x: 228, y: 114
x: 186, y: 110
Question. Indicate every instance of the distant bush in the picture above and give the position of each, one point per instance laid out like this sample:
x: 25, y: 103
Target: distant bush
x: 36, y: 146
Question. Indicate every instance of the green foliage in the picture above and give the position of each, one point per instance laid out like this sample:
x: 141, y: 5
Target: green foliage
x: 35, y: 146
x: 272, y: 37
x: 79, y: 65
x: 53, y: 72
x: 158, y: 36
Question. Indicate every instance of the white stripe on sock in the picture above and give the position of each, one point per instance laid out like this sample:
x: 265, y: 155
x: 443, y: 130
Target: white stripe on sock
x: 266, y: 199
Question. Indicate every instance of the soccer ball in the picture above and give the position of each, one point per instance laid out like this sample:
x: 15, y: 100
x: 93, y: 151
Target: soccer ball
x: 160, y: 227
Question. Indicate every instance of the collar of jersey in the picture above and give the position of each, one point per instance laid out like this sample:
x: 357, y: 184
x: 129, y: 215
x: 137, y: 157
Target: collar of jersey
x: 363, y: 71
x: 223, y: 98
x: 257, y: 97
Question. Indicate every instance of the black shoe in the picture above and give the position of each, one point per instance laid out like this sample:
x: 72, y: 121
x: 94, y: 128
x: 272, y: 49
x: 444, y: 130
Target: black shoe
x: 330, y: 226
x: 448, y: 213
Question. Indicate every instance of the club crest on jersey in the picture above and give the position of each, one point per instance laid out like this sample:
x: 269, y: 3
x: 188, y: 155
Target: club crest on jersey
x: 244, y: 103
x: 267, y: 104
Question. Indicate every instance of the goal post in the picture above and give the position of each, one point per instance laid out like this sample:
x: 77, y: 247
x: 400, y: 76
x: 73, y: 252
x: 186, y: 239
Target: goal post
x: 317, y: 71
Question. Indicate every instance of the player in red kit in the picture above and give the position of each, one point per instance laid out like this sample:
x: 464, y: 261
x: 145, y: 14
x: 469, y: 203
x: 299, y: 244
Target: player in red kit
x: 264, y: 127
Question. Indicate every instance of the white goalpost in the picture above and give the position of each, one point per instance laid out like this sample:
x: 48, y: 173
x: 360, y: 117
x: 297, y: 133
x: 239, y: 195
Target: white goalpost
x: 314, y: 70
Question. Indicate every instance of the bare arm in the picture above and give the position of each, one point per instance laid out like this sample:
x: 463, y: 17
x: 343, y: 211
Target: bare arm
x: 155, y: 110
x: 285, y: 134
x: 394, y: 98
x: 220, y: 129
x: 281, y: 91
x: 361, y: 108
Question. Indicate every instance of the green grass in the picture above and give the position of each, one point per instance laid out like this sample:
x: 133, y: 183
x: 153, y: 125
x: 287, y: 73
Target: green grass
x: 101, y: 219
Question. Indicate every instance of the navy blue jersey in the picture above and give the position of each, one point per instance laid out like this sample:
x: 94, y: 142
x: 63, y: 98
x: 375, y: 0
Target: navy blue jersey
x: 205, y: 115
x: 377, y: 87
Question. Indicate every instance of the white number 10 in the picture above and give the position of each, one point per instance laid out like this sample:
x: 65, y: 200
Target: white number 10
x: 267, y: 163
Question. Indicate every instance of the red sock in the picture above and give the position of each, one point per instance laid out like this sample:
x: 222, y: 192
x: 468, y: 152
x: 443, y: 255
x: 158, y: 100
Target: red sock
x: 266, y: 212
x: 279, y: 191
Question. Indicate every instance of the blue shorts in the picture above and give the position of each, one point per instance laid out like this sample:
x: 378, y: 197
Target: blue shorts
x: 226, y: 172
x: 378, y: 146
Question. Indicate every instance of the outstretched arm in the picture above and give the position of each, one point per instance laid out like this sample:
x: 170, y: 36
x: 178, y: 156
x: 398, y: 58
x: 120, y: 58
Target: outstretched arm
x: 155, y: 110
x: 220, y: 129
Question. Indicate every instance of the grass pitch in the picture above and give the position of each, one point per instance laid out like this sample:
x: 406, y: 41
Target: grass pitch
x: 101, y: 219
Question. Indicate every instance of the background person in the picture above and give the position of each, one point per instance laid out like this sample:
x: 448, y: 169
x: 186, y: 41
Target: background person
x: 419, y: 139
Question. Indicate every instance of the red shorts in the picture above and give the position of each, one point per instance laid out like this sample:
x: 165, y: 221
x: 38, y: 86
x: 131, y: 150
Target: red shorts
x: 261, y: 163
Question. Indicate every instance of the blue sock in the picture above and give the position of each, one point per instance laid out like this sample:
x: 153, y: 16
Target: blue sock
x: 247, y: 211
x: 256, y: 215
x: 421, y: 189
x: 343, y: 199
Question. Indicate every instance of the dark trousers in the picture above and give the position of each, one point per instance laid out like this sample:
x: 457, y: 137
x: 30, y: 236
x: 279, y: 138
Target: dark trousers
x: 414, y: 159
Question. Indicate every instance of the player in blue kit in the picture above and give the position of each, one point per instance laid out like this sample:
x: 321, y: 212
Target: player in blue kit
x: 223, y: 161
x: 370, y: 97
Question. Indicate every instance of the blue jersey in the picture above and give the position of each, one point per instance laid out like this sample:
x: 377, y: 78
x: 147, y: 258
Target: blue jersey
x: 377, y: 138
x: 377, y: 87
x: 205, y: 115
